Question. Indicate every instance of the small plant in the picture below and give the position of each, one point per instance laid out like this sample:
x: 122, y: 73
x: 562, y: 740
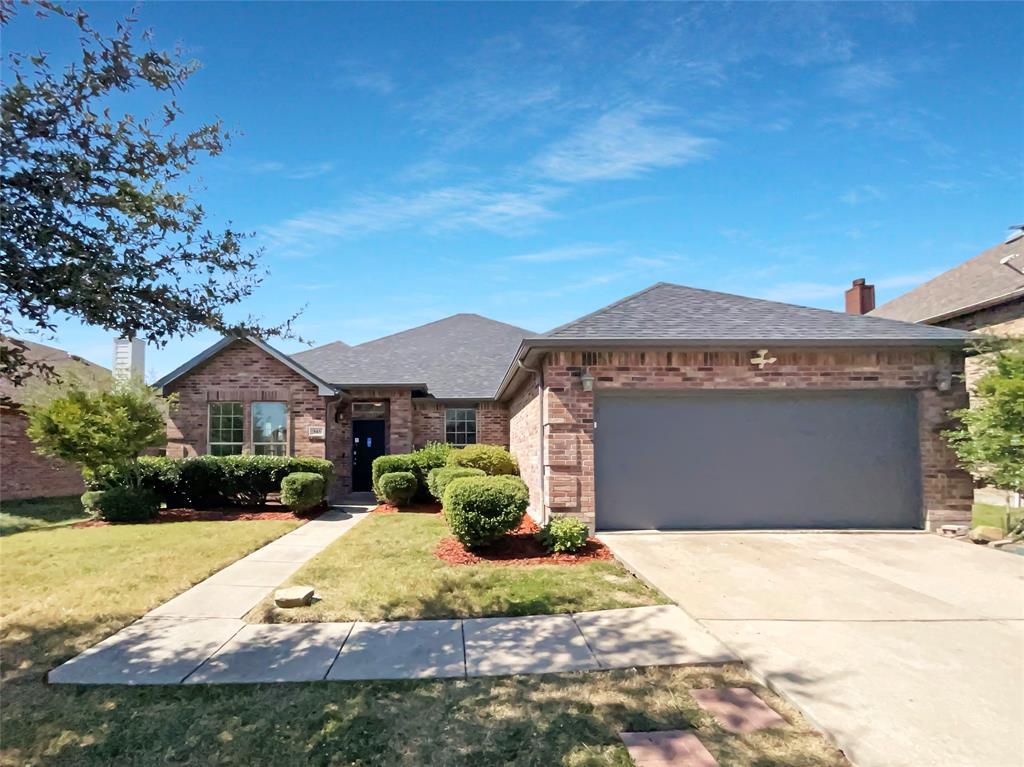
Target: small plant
x: 438, y: 479
x: 303, y: 491
x: 481, y: 509
x: 564, y: 534
x: 90, y: 501
x: 398, y: 487
x: 386, y: 464
x: 128, y: 504
x: 490, y: 459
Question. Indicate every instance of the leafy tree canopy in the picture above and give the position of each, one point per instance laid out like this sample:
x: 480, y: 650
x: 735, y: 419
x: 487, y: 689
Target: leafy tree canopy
x: 96, y: 216
x: 990, y: 440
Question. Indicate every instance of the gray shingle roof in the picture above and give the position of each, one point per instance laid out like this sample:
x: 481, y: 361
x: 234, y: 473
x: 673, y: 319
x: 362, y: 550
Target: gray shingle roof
x: 460, y: 357
x: 980, y: 281
x: 675, y: 312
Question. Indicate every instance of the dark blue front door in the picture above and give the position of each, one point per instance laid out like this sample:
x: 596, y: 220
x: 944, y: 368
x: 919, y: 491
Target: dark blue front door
x: 367, y: 444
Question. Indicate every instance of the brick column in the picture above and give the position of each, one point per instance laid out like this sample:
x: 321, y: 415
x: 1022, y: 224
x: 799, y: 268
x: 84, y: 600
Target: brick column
x: 568, y: 423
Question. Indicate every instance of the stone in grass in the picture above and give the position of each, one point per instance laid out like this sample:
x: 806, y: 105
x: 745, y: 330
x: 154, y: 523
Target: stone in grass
x: 986, y: 534
x: 294, y: 596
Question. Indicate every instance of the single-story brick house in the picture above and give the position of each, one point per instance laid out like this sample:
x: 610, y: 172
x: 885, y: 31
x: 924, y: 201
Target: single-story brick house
x: 674, y: 408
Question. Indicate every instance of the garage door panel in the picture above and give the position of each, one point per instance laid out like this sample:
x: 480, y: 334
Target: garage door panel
x: 762, y: 459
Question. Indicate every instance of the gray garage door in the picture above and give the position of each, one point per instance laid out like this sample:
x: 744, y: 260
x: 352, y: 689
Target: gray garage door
x: 733, y: 460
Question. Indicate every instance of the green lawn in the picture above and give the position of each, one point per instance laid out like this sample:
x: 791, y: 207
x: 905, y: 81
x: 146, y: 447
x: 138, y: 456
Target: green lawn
x: 63, y: 590
x: 40, y: 513
x: 995, y: 516
x: 385, y: 569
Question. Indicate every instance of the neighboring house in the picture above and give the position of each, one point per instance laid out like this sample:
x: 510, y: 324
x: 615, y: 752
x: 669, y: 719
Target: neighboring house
x: 983, y: 294
x: 674, y: 408
x: 23, y: 473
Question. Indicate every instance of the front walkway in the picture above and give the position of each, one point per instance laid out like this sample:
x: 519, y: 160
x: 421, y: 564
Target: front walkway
x: 904, y: 648
x: 198, y: 637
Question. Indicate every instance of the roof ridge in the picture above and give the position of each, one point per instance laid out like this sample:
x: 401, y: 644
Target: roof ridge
x: 435, y: 322
x: 612, y: 305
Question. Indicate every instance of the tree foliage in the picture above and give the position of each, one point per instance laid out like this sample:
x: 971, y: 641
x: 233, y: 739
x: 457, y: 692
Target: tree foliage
x: 990, y: 440
x: 99, y: 430
x: 96, y: 215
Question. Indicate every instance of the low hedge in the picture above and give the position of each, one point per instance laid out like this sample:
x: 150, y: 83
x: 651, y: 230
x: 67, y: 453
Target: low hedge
x: 420, y: 463
x: 438, y: 479
x: 386, y: 464
x: 303, y: 490
x: 481, y: 509
x: 490, y: 459
x: 208, y: 481
x: 564, y: 534
x: 398, y: 487
x: 128, y: 504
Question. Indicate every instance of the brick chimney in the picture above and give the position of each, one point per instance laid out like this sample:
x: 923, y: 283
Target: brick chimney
x: 860, y: 298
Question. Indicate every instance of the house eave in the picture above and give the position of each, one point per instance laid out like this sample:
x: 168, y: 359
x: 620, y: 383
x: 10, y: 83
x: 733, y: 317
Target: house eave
x: 977, y: 306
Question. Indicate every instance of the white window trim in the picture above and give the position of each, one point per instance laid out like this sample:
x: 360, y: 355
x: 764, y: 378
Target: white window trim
x: 475, y: 425
x: 209, y: 426
x: 287, y: 426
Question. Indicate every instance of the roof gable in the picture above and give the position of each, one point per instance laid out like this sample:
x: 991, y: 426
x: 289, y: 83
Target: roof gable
x: 670, y: 312
x: 323, y: 388
x: 459, y: 357
x: 976, y: 283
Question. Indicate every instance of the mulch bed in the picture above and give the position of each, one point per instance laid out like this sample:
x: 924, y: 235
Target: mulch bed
x: 212, y: 515
x: 519, y: 548
x: 418, y: 508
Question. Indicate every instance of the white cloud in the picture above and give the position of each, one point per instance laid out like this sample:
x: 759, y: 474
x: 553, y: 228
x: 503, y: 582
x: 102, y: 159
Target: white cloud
x: 861, y: 82
x: 564, y: 253
x: 288, y: 171
x: 623, y: 143
x: 861, y: 194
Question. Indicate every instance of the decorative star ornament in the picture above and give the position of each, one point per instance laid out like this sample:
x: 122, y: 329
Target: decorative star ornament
x: 762, y: 359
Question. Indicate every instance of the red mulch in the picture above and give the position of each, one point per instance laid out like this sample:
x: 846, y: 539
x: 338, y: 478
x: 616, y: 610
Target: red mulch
x: 519, y: 548
x: 418, y: 508
x: 211, y: 515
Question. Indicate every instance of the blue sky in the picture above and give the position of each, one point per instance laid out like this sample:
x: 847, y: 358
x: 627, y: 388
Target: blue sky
x: 531, y: 163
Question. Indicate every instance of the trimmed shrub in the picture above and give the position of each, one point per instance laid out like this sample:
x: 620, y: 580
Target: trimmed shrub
x: 398, y: 487
x: 90, y: 501
x: 303, y: 490
x: 564, y: 534
x: 481, y: 509
x: 128, y: 504
x: 433, y: 455
x: 491, y: 459
x: 386, y: 464
x: 438, y: 479
x: 204, y: 482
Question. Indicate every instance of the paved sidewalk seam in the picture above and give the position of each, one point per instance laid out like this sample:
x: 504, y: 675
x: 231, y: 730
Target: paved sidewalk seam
x: 337, y: 655
x: 211, y: 655
x: 590, y: 649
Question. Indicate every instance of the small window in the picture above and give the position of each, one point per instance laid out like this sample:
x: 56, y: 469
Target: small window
x: 225, y: 428
x: 460, y: 426
x: 269, y: 428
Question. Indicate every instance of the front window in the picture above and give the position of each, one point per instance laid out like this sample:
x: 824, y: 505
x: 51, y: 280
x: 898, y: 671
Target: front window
x: 460, y: 426
x: 269, y: 428
x: 225, y: 428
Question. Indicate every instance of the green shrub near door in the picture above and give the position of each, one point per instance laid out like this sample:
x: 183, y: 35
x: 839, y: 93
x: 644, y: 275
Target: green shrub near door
x: 398, y: 487
x: 481, y: 509
x: 303, y: 491
x: 438, y: 479
x: 491, y: 459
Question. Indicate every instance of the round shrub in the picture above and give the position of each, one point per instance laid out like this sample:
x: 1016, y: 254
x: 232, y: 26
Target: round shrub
x: 564, y: 534
x: 303, y: 490
x: 490, y: 459
x: 128, y: 504
x: 90, y: 501
x: 386, y: 464
x: 481, y: 509
x: 398, y: 487
x: 438, y: 479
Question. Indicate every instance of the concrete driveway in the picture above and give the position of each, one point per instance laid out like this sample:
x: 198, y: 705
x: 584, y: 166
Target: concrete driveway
x: 906, y: 649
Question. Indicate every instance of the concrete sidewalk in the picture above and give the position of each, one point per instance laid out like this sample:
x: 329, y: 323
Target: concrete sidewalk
x: 204, y: 650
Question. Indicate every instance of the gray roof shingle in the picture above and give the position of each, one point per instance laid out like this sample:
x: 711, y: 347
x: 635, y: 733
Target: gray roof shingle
x: 459, y: 357
x: 666, y: 311
x: 979, y: 281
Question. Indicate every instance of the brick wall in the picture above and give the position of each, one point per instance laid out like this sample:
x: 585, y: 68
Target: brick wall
x: 524, y: 441
x: 569, y: 411
x: 428, y: 422
x: 243, y: 373
x: 1004, y: 320
x: 23, y: 473
x: 492, y: 423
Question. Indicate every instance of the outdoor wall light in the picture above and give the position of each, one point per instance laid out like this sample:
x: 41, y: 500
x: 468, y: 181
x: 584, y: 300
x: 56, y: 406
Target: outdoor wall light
x: 588, y: 381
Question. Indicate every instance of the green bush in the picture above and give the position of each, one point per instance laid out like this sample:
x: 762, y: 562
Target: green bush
x: 303, y: 490
x: 438, y: 479
x: 398, y: 487
x: 128, y: 504
x: 481, y: 509
x: 386, y: 464
x: 90, y: 501
x: 491, y: 459
x: 433, y: 455
x: 204, y: 482
x: 564, y: 534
